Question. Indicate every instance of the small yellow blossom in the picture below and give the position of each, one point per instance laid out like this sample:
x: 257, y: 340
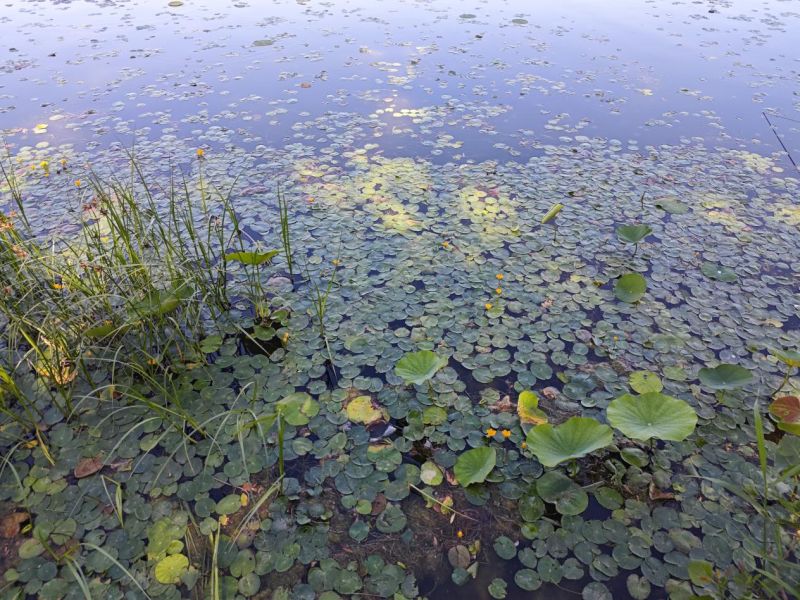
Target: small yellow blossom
x: 524, y: 445
x: 506, y: 433
x: 223, y: 520
x: 459, y: 534
x: 78, y: 183
x: 63, y: 162
x: 488, y: 306
x: 336, y: 262
x: 200, y: 153
x: 244, y: 500
x: 499, y: 276
x: 445, y: 244
x: 491, y: 432
x: 616, y: 338
x: 498, y: 290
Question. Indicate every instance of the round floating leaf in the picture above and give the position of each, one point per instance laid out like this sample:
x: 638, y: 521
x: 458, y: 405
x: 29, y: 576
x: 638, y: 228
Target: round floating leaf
x: 788, y: 357
x: 672, y: 206
x: 505, y: 548
x: 630, y: 287
x: 459, y: 557
x: 787, y: 411
x: 608, y: 498
x: 575, y: 438
x: 552, y: 485
x: 362, y: 410
x: 552, y: 213
x: 297, y: 408
x: 430, y: 474
x: 170, y: 569
x: 419, y: 367
x: 718, y: 272
x: 572, y: 502
x: 528, y: 409
x: 638, y: 587
x: 645, y: 381
x: 652, y: 415
x: 473, y: 466
x: 633, y: 234
x: 527, y: 579
x: 725, y: 377
x: 701, y: 572
x: 497, y: 588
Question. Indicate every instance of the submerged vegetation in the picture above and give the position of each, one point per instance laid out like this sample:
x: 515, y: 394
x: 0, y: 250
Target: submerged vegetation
x: 192, y: 408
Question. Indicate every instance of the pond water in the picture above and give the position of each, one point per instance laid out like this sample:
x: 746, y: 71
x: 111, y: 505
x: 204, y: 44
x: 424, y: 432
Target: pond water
x: 418, y: 146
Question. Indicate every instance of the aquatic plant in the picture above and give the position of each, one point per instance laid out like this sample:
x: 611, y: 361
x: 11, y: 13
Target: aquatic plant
x: 633, y: 234
x: 573, y: 439
x: 630, y: 287
x: 791, y: 358
x: 652, y: 415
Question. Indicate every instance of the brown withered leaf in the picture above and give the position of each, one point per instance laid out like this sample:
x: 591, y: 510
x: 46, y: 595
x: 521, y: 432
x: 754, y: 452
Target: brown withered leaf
x: 10, y: 524
x: 87, y: 466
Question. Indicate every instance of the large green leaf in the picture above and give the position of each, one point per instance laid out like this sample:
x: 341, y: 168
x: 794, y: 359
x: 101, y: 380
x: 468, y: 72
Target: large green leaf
x: 419, y: 367
x: 473, y: 466
x: 633, y: 234
x: 297, y: 408
x: 574, y: 438
x: 790, y: 358
x: 630, y: 287
x: 725, y: 377
x: 652, y: 415
x: 253, y: 258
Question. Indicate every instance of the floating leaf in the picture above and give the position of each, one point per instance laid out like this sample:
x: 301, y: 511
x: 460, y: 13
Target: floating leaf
x: 652, y: 415
x: 473, y: 466
x: 633, y: 234
x: 672, y: 206
x: 644, y: 382
x: 575, y: 438
x: 630, y: 287
x: 430, y: 474
x: 552, y: 213
x: 718, y: 272
x: 253, y: 258
x: 787, y: 411
x: 528, y: 409
x: 87, y: 466
x: 297, y: 408
x: 361, y: 410
x: 725, y: 377
x: 790, y: 358
x: 170, y: 569
x: 419, y: 367
x: 701, y: 572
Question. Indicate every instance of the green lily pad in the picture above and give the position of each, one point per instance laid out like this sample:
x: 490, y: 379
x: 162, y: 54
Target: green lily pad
x: 725, y: 377
x: 630, y: 288
x: 497, y: 588
x: 633, y: 234
x: 528, y: 409
x: 718, y: 272
x: 652, y: 415
x: 473, y: 466
x: 672, y: 206
x: 362, y: 410
x: 419, y: 367
x: 297, y: 408
x: 430, y: 474
x: 644, y: 382
x: 701, y: 572
x: 170, y: 569
x: 575, y: 438
x: 790, y: 358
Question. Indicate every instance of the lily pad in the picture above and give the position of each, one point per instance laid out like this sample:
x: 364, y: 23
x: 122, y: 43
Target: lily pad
x: 787, y: 412
x: 718, y: 272
x: 297, y: 408
x: 473, y: 466
x: 644, y: 382
x: 790, y: 358
x: 652, y: 415
x: 630, y: 288
x: 419, y: 367
x: 725, y: 377
x: 253, y: 258
x: 170, y: 569
x: 575, y: 438
x: 633, y: 234
x: 528, y: 409
x: 362, y: 410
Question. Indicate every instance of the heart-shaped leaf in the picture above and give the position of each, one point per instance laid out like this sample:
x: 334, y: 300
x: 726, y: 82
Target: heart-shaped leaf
x: 419, y: 367
x: 725, y: 377
x: 652, y: 415
x: 644, y: 382
x: 170, y: 568
x: 633, y: 234
x: 473, y: 466
x: 362, y: 410
x: 575, y: 438
x: 718, y: 272
x: 297, y: 408
x: 630, y: 287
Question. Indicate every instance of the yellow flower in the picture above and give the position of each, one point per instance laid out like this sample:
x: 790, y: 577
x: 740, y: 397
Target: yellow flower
x: 459, y: 534
x: 45, y: 165
x: 488, y: 306
x: 616, y: 338
x: 524, y: 445
x: 77, y: 183
x: 244, y: 500
x: 498, y: 290
x: 200, y: 153
x: 491, y: 432
x: 499, y: 276
x: 223, y: 520
x: 63, y: 162
x: 506, y: 433
x: 336, y: 262
x: 445, y: 244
